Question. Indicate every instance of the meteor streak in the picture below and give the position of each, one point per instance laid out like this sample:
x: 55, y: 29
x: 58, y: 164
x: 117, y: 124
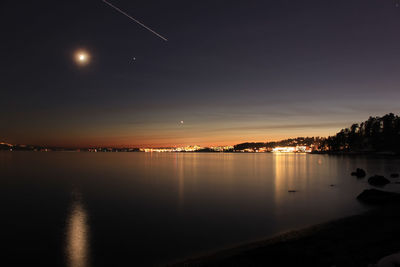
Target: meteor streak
x: 135, y: 20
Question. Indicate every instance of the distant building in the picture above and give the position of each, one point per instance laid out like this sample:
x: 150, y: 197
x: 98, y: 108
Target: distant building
x: 284, y: 149
x: 292, y: 149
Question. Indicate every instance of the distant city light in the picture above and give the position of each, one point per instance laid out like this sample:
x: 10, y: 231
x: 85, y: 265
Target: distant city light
x: 292, y: 149
x: 289, y: 149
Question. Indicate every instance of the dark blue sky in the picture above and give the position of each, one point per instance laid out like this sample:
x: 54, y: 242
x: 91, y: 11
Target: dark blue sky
x: 233, y: 71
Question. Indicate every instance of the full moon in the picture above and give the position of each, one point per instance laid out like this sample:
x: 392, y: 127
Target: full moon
x: 82, y: 57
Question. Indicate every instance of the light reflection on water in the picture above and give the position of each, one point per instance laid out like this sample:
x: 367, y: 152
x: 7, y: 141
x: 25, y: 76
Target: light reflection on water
x: 77, y: 246
x: 158, y: 207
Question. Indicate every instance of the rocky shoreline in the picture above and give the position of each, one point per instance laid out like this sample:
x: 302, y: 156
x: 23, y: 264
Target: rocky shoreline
x: 360, y: 240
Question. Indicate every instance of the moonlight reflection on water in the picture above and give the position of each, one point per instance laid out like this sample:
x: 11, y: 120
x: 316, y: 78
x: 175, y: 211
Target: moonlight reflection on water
x: 149, y: 209
x: 77, y: 247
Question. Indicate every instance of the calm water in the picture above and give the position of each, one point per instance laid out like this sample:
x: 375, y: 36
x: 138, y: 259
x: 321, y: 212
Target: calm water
x: 142, y: 209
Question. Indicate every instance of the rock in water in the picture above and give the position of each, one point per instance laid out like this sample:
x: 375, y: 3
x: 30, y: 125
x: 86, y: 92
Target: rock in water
x: 374, y: 196
x: 378, y: 180
x: 360, y: 173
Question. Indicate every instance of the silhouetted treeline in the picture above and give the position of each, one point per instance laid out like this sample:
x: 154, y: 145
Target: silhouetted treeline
x: 377, y: 134
x: 4, y: 146
x: 304, y: 141
x: 10, y: 147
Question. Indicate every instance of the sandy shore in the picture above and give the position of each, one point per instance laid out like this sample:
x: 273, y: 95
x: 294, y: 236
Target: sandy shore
x: 358, y: 240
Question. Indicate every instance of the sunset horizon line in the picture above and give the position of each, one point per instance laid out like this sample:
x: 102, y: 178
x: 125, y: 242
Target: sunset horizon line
x: 152, y: 145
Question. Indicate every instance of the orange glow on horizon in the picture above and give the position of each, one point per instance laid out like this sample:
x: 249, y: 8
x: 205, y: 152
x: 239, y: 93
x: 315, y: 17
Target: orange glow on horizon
x: 153, y: 143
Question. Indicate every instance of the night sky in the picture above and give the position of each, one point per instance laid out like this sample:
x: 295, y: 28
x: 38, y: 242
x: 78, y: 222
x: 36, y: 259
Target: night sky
x: 232, y: 71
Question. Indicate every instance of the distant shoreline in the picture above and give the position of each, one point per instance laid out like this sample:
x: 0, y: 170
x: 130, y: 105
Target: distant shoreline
x: 333, y: 153
x: 357, y: 153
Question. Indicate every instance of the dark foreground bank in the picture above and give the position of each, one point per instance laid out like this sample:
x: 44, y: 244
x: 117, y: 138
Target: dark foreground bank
x: 358, y: 240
